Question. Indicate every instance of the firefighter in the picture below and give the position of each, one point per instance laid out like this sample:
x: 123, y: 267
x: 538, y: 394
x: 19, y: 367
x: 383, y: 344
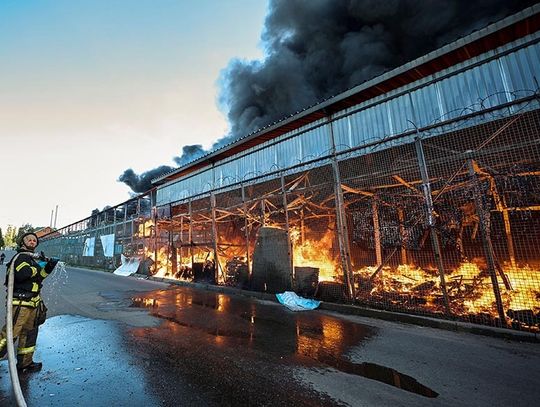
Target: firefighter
x: 29, y: 311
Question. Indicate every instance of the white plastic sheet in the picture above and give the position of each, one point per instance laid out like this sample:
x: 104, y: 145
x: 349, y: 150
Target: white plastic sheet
x: 89, y: 244
x: 107, y: 241
x: 129, y: 266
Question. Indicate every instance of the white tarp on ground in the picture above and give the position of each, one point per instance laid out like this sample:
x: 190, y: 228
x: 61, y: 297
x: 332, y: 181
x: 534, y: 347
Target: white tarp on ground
x: 107, y: 241
x: 129, y: 266
x: 89, y: 244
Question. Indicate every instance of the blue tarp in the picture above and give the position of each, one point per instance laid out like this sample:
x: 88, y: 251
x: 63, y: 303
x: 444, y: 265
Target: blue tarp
x: 296, y: 303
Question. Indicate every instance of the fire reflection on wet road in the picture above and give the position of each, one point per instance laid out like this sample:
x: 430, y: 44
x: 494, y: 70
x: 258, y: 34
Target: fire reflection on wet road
x: 210, y: 349
x: 233, y: 348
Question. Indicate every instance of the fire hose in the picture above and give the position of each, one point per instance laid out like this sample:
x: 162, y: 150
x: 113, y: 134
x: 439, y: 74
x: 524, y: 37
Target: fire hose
x: 9, y: 330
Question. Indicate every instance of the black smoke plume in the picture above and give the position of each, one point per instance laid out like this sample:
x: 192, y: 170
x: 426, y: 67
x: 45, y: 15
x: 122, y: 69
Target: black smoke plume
x: 319, y: 48
x: 189, y: 153
x: 316, y: 49
x: 142, y: 183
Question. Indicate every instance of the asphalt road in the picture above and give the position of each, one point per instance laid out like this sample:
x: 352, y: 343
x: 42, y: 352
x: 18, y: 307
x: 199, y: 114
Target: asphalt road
x: 124, y: 341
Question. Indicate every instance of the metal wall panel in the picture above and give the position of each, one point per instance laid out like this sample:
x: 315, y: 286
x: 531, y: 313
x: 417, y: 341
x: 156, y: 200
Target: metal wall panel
x: 483, y: 86
x: 282, y: 153
x: 185, y: 187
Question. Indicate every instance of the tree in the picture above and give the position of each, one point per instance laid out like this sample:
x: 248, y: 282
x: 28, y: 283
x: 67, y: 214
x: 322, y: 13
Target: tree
x: 10, y: 237
x: 2, y: 243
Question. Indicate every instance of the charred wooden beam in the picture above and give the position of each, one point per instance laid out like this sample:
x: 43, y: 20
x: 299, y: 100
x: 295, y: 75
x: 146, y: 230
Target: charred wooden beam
x: 287, y: 228
x: 430, y: 213
x: 246, y: 229
x: 500, y: 205
x: 402, y: 235
x: 486, y: 239
x: 376, y: 231
x: 406, y: 184
x: 355, y: 191
x: 341, y: 218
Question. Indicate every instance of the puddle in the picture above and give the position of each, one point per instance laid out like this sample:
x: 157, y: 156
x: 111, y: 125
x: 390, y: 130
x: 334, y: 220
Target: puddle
x: 380, y: 373
x: 213, y: 331
x: 139, y: 302
x: 287, y: 336
x: 114, y: 301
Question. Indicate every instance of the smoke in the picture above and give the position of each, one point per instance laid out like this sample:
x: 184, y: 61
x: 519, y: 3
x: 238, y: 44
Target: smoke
x: 189, y: 153
x: 142, y: 183
x: 318, y: 48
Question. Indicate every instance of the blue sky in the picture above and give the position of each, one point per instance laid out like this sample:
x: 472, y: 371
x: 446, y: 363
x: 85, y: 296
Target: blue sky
x: 90, y: 88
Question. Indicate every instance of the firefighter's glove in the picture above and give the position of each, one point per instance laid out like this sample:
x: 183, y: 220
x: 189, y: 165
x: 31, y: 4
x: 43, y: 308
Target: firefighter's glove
x: 42, y: 256
x: 51, y: 264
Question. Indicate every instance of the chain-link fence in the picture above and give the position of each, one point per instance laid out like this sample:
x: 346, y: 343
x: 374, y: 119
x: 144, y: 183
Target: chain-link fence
x: 443, y: 220
x: 101, y: 239
x: 448, y: 224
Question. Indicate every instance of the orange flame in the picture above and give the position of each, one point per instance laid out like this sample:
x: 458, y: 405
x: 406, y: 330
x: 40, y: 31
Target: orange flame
x: 315, y: 253
x: 145, y: 228
x: 163, y: 262
x: 469, y: 288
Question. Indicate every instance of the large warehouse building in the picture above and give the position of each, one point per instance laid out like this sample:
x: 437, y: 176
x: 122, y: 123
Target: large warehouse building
x: 417, y: 191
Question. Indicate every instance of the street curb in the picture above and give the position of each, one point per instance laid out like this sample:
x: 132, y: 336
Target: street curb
x: 455, y: 326
x: 448, y: 325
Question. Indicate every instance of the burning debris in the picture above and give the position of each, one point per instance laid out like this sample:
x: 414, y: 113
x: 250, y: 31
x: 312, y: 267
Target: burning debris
x: 237, y: 272
x: 319, y: 254
x: 469, y: 290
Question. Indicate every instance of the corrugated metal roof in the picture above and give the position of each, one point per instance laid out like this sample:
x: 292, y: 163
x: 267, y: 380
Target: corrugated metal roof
x: 495, y: 35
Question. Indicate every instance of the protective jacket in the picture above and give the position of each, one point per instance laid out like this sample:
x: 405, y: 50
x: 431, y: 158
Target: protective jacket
x: 29, y: 276
x: 28, y: 310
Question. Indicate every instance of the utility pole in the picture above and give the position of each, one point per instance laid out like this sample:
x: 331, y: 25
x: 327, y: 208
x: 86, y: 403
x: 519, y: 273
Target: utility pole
x: 55, y: 216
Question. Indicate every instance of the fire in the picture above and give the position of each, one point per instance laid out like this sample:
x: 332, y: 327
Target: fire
x: 315, y: 253
x: 526, y: 287
x: 525, y: 283
x: 230, y: 248
x: 405, y: 279
x: 469, y: 288
x: 145, y: 228
x: 411, y: 276
x: 470, y: 278
x: 161, y: 262
x: 469, y: 285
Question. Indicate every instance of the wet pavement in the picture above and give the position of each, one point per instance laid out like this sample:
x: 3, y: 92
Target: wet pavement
x: 141, y: 343
x: 210, y: 349
x: 84, y: 365
x: 249, y: 331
